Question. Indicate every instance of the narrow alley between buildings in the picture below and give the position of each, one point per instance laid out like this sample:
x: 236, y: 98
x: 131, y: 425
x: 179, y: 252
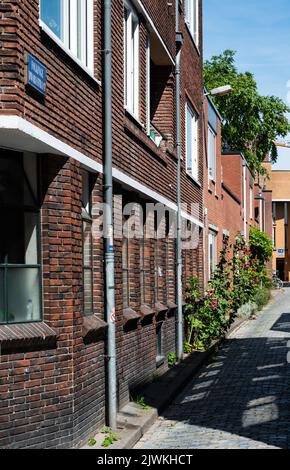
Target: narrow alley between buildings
x: 240, y: 398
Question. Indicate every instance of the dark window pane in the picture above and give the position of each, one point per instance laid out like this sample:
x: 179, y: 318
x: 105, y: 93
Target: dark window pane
x: 2, y: 308
x: 12, y: 237
x: 25, y: 306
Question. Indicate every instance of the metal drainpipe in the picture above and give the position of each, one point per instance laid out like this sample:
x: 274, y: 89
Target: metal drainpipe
x: 178, y: 152
x: 108, y: 221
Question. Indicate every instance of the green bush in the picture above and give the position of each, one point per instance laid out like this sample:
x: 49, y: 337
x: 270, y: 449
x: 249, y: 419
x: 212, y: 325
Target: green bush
x: 261, y: 245
x: 247, y: 310
x: 262, y: 297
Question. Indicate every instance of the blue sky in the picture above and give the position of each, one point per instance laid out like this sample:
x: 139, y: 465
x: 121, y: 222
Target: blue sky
x: 259, y: 30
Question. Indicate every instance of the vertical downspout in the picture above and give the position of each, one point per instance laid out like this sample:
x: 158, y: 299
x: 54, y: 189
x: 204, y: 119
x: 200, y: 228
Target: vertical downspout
x: 108, y: 221
x: 178, y: 152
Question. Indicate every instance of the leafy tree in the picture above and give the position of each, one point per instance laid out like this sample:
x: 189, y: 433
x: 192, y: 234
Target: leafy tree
x: 261, y: 245
x: 251, y: 121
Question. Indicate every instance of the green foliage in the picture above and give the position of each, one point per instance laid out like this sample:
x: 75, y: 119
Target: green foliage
x: 261, y: 245
x: 187, y: 348
x: 172, y: 359
x: 110, y: 438
x: 251, y: 121
x: 141, y: 402
x: 240, y: 280
x: 92, y: 442
x: 262, y: 297
x: 247, y: 310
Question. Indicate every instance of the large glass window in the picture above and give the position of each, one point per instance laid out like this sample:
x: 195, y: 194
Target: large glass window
x: 87, y: 246
x: 131, y: 59
x: 191, y: 142
x: 191, y: 18
x: 211, y: 154
x: 20, y: 287
x: 71, y: 21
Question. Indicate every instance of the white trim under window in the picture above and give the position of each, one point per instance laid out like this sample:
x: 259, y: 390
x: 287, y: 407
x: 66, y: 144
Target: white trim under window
x: 131, y: 59
x: 191, y: 18
x: 211, y: 154
x: 71, y: 24
x: 191, y: 139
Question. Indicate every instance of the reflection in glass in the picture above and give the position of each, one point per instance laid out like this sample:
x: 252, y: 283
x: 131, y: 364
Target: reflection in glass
x: 25, y: 305
x: 51, y: 15
x: 88, y: 292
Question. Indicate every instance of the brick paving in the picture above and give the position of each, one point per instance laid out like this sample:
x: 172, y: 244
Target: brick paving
x: 241, y: 398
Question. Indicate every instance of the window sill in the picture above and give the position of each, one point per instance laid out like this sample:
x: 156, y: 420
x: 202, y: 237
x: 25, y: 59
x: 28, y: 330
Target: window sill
x: 134, y: 129
x: 130, y: 316
x: 160, y: 360
x: 171, y: 309
x: 146, y: 311
x: 60, y: 44
x: 94, y: 328
x: 27, y: 337
x: 195, y: 181
x: 132, y: 116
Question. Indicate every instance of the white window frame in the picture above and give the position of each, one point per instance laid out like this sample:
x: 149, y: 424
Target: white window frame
x: 191, y: 19
x: 191, y: 141
x: 68, y: 41
x: 212, y: 263
x: 131, y: 60
x: 211, y: 150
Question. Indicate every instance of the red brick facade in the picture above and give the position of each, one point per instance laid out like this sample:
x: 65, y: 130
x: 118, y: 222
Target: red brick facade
x: 52, y: 373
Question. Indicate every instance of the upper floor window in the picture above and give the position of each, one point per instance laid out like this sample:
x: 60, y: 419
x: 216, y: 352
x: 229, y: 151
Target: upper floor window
x: 191, y: 142
x: 191, y: 18
x: 211, y: 154
x: 20, y: 261
x: 131, y: 59
x: 71, y: 22
x: 251, y: 203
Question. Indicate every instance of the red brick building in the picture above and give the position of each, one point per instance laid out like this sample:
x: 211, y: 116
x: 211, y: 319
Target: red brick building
x: 229, y: 192
x: 52, y: 322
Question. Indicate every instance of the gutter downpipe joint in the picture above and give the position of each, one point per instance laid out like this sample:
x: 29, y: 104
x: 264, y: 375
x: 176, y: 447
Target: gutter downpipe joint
x: 108, y: 222
x: 179, y: 345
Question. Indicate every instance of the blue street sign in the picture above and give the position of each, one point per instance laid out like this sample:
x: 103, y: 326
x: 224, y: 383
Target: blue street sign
x: 36, y: 74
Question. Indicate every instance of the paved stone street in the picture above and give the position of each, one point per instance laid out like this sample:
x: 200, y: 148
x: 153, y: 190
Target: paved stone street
x: 241, y: 398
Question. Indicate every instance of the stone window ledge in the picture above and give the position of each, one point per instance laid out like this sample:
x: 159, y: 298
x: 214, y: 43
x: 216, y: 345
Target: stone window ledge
x: 26, y: 337
x: 146, y: 311
x: 160, y: 311
x: 130, y: 316
x: 94, y: 328
x: 171, y: 308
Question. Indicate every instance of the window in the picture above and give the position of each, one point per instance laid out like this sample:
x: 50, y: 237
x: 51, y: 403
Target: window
x: 125, y: 263
x: 87, y: 246
x: 159, y: 345
x: 131, y: 59
x: 191, y: 142
x: 71, y: 22
x: 191, y: 18
x: 212, y: 255
x: 211, y: 154
x: 251, y: 203
x: 20, y: 270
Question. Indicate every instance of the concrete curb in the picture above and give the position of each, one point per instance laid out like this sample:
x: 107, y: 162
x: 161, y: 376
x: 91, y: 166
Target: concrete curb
x: 133, y: 422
